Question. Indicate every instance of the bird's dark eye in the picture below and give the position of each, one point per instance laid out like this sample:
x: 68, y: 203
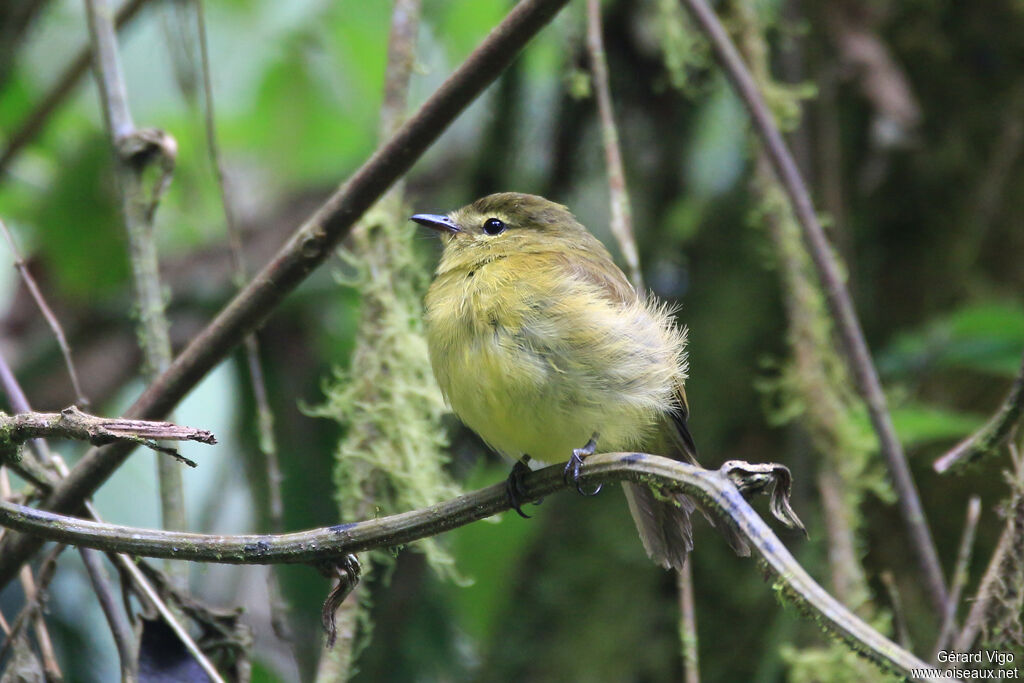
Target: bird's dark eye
x: 492, y: 226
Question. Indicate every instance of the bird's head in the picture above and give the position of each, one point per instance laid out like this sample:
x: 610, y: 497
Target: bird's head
x: 503, y: 224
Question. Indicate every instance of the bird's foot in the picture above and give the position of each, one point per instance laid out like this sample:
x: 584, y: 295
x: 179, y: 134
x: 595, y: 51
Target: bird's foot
x: 571, y: 474
x: 514, y: 489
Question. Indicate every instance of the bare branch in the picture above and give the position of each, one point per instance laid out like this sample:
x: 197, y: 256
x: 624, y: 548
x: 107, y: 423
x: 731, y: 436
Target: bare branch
x: 840, y: 304
x: 72, y: 423
x: 959, y: 578
x: 120, y: 628
x: 308, y: 248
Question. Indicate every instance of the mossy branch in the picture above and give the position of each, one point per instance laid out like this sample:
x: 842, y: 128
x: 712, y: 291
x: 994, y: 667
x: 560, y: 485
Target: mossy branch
x: 717, y: 491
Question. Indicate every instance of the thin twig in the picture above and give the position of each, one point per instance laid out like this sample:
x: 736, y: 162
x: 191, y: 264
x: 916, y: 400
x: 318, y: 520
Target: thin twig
x: 135, y: 152
x: 47, y: 312
x: 169, y: 617
x: 621, y: 223
x: 36, y: 120
x: 310, y: 246
x: 992, y: 436
x: 265, y: 417
x: 29, y: 465
x: 622, y: 215
x: 840, y: 304
x: 120, y: 628
x: 688, y: 624
x: 959, y: 578
x: 1001, y: 565
x: 716, y: 490
x: 33, y: 597
x: 899, y: 615
x: 33, y: 600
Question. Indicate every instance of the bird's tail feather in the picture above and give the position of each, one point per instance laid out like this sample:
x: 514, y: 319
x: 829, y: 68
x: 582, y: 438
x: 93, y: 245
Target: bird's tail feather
x: 664, y: 527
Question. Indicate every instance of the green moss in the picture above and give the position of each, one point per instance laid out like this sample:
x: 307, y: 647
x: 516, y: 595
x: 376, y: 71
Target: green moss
x: 392, y: 455
x: 10, y: 450
x: 683, y: 49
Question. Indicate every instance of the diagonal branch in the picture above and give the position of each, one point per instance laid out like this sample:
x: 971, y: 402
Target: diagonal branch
x: 718, y: 491
x: 308, y: 248
x: 838, y: 297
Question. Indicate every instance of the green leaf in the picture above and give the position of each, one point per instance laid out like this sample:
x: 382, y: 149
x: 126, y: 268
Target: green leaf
x: 917, y: 423
x: 985, y: 337
x: 80, y: 231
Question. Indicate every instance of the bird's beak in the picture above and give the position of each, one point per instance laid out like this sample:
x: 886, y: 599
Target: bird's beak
x: 439, y: 223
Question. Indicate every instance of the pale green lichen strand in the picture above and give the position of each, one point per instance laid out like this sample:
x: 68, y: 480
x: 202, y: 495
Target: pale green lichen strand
x: 392, y: 455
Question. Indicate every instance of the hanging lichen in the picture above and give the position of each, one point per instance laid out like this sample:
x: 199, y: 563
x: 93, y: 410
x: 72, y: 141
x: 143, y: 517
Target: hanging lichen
x: 392, y: 455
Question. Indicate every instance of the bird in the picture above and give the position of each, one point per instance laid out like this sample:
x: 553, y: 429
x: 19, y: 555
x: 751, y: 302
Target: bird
x: 541, y: 346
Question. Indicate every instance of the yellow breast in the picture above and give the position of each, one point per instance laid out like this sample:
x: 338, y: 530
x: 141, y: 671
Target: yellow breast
x: 537, y: 364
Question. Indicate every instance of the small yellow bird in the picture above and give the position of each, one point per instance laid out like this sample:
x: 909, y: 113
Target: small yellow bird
x: 541, y: 345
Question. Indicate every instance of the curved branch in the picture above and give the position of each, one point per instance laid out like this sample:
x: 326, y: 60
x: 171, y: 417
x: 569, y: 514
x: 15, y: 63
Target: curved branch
x: 715, y: 490
x: 309, y: 247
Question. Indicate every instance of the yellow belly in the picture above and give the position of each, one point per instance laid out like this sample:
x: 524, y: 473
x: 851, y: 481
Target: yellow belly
x: 542, y: 379
x: 524, y: 404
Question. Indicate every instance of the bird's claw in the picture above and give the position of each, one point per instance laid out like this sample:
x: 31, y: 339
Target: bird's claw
x: 571, y: 473
x: 514, y: 489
